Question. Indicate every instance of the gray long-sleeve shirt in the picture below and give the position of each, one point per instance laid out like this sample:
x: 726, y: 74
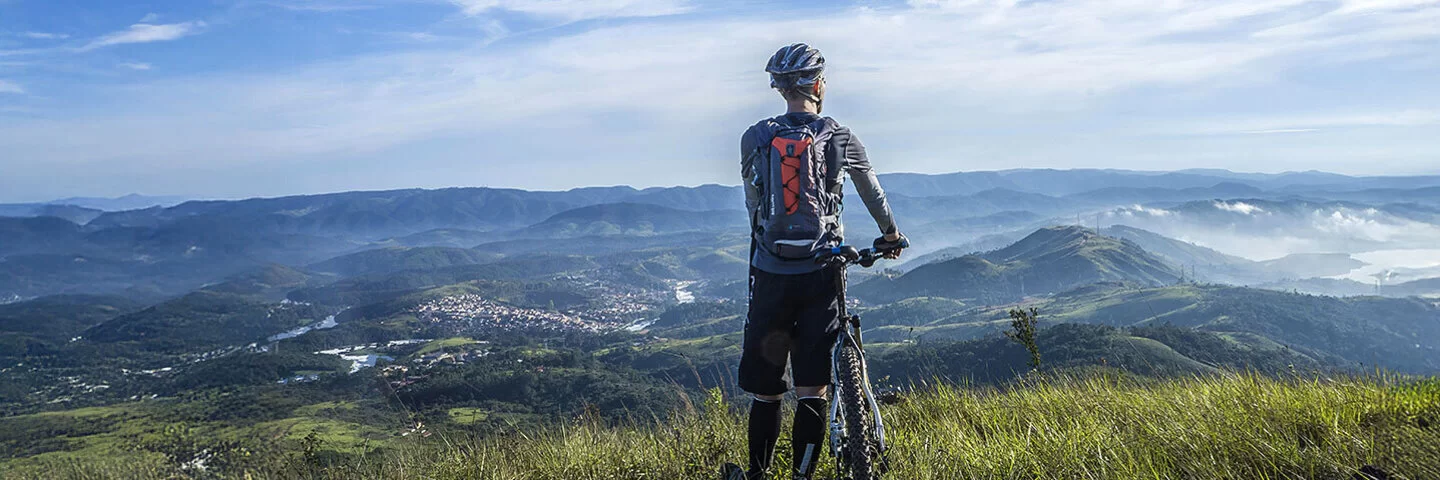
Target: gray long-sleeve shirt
x: 844, y: 146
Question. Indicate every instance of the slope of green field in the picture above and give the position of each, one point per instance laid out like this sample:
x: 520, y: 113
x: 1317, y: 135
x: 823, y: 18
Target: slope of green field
x: 1096, y: 427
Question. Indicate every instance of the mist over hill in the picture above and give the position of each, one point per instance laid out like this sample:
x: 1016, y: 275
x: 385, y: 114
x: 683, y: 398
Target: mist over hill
x: 1047, y: 261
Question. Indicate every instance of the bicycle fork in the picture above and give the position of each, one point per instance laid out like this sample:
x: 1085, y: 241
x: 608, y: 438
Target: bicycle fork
x: 838, y: 435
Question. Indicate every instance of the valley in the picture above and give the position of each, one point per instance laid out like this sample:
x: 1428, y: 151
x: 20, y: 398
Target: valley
x: 360, y: 323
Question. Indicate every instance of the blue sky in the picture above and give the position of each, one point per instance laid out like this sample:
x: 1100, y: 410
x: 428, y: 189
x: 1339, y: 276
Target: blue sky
x: 235, y: 98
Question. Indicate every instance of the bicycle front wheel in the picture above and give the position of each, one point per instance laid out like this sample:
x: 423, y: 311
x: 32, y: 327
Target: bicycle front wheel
x: 859, y: 450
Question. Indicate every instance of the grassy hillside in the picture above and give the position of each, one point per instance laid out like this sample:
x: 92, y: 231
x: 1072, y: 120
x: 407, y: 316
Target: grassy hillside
x: 1343, y: 332
x: 1098, y: 426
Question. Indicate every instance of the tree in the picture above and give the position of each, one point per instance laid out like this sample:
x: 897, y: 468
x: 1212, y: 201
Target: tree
x: 1022, y: 331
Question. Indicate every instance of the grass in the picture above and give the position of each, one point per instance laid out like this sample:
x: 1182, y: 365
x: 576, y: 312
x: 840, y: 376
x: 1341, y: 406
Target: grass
x: 1096, y: 427
x: 467, y: 415
x: 438, y: 345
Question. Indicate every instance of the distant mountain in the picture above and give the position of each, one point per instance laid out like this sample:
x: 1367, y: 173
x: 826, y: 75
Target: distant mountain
x: 1176, y: 251
x: 127, y: 202
x: 632, y: 219
x: 988, y: 202
x: 1205, y: 263
x: 1143, y: 195
x: 1050, y: 260
x: 1261, y: 228
x: 378, y: 287
x: 985, y: 243
x: 394, y: 213
x: 1321, y: 286
x: 202, y: 242
x: 38, y: 234
x: 79, y: 215
x: 270, y: 282
x: 609, y: 244
x: 1425, y: 287
x: 443, y: 237
x: 394, y: 259
x: 1307, y: 265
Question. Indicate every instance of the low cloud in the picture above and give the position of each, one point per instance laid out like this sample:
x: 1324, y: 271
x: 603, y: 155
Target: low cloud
x: 1239, y: 207
x: 135, y: 66
x: 146, y: 33
x: 10, y: 87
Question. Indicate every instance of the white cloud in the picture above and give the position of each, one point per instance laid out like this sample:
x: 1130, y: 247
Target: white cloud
x: 45, y: 35
x: 1281, y: 130
x: 10, y: 87
x: 1302, y: 123
x: 575, y: 10
x: 150, y: 18
x: 135, y: 65
x: 321, y: 6
x: 145, y: 33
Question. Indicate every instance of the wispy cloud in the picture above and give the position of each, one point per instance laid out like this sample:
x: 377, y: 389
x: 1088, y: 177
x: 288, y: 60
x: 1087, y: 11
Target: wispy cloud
x: 145, y: 33
x: 135, y: 65
x: 45, y: 35
x: 1280, y: 130
x: 321, y: 6
x: 575, y: 10
x: 1301, y: 123
x: 10, y: 87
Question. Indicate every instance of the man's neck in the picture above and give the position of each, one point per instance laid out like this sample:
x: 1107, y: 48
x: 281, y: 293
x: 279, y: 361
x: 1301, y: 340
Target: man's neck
x: 804, y: 106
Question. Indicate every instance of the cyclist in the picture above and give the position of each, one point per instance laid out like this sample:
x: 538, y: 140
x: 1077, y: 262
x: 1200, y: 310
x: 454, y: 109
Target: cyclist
x: 793, y: 167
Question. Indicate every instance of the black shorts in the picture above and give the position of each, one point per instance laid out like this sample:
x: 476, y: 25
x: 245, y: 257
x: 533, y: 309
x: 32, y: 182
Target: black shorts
x: 791, y: 317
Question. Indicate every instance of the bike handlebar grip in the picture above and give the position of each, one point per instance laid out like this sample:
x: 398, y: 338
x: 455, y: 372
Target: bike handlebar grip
x: 883, y: 246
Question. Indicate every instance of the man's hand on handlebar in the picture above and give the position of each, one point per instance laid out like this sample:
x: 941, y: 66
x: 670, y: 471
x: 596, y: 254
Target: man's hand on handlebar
x: 891, y: 245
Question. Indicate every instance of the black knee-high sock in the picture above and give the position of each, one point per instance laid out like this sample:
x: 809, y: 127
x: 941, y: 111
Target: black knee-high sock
x: 808, y: 434
x: 764, y: 432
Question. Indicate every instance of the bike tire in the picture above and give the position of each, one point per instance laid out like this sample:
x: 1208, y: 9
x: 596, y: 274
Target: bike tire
x: 859, y: 451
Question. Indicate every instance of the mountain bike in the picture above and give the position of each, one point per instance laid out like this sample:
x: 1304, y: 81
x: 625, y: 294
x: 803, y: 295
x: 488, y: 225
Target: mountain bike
x: 857, y: 432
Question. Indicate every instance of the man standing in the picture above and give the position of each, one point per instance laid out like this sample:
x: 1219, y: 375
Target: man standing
x: 794, y: 166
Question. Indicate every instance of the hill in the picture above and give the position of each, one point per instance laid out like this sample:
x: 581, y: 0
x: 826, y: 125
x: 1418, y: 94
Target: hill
x: 203, y: 320
x: 1400, y: 334
x: 1178, y: 252
x: 41, y: 326
x: 1047, y: 261
x: 1307, y: 265
x: 632, y: 219
x: 394, y: 259
x: 1424, y: 287
x: 1160, y: 351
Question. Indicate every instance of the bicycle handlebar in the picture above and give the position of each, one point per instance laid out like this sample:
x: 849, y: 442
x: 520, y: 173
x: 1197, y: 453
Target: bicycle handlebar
x: 848, y: 254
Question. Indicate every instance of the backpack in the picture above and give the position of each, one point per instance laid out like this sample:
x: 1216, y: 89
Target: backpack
x: 799, y: 210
